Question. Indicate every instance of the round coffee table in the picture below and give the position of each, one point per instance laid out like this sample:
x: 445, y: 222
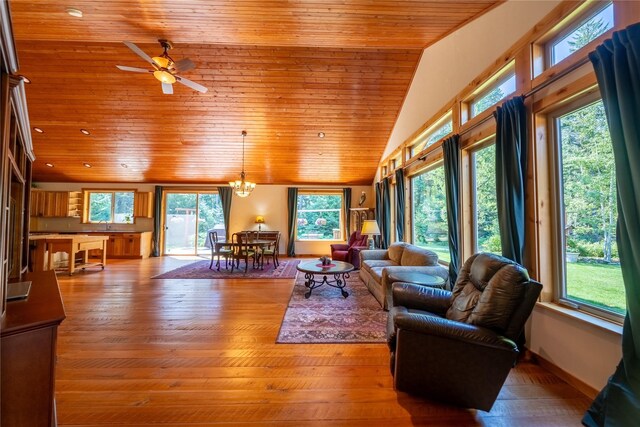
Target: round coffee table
x: 340, y: 271
x: 422, y: 279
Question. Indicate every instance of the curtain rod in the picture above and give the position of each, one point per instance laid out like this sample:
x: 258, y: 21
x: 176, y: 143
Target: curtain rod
x: 541, y: 86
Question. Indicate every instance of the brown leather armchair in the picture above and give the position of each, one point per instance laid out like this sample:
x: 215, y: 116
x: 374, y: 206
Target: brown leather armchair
x: 350, y: 252
x: 458, y: 346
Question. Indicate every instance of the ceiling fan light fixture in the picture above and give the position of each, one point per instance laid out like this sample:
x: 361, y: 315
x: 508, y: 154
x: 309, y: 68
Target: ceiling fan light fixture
x: 242, y: 187
x: 162, y: 61
x: 164, y: 76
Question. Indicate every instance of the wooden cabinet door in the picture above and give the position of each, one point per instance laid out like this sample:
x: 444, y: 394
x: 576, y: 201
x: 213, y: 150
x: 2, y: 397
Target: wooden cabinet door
x: 115, y: 245
x: 37, y: 203
x: 143, y: 204
x: 61, y: 204
x: 131, y: 245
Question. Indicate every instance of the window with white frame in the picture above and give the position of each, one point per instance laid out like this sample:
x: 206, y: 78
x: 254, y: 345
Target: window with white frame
x: 434, y: 133
x: 110, y: 206
x: 485, y: 204
x: 588, y: 260
x: 580, y: 33
x: 429, y: 212
x: 319, y: 216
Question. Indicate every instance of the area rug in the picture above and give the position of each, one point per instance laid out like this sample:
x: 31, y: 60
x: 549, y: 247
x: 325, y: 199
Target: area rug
x: 200, y: 270
x: 327, y: 317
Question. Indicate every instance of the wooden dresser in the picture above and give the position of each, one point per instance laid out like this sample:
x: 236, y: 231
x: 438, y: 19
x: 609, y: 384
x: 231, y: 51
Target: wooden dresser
x: 28, y: 354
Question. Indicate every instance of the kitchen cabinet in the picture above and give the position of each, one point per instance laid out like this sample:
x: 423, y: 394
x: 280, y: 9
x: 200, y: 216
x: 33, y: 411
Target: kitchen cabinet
x: 52, y: 204
x: 143, y: 204
x: 127, y: 245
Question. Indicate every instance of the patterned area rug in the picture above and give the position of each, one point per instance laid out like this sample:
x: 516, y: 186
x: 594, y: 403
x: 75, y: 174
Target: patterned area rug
x: 327, y: 317
x: 200, y: 270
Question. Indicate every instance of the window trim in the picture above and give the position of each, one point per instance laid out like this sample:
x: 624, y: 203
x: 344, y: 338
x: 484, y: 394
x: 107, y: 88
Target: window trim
x: 320, y: 192
x: 428, y: 168
x: 496, y: 80
x: 429, y: 131
x: 86, y: 211
x: 543, y: 46
x: 558, y: 222
x: 473, y: 150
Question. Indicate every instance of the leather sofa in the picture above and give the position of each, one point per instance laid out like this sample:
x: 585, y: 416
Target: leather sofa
x: 458, y: 347
x: 377, y: 264
x: 350, y: 251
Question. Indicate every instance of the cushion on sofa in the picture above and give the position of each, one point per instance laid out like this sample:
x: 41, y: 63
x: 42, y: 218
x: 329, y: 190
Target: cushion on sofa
x: 395, y: 251
x: 379, y: 263
x: 376, y: 273
x: 414, y: 255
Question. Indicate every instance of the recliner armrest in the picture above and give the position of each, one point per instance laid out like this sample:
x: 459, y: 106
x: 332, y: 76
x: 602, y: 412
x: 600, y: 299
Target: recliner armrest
x: 449, y: 329
x: 339, y: 247
x: 424, y: 298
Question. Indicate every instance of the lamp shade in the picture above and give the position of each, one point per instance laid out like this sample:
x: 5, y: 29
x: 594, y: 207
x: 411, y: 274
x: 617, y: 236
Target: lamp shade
x: 259, y: 219
x: 370, y: 227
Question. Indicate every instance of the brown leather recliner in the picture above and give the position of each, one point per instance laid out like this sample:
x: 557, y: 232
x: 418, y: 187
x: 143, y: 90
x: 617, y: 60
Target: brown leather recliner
x: 458, y: 346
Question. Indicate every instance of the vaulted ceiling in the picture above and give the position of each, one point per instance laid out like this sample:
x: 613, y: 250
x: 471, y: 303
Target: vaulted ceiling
x: 284, y: 71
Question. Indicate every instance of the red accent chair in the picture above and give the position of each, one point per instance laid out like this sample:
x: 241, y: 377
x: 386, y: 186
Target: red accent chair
x: 350, y: 252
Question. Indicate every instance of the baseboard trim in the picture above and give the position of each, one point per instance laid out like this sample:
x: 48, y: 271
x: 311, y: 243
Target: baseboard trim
x: 583, y: 387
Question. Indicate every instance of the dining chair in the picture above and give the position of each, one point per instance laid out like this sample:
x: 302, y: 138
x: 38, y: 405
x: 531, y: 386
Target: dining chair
x: 242, y: 250
x: 270, y: 251
x: 218, y: 251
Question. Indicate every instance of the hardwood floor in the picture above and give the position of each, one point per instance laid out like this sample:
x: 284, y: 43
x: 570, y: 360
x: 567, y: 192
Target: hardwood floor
x: 136, y: 351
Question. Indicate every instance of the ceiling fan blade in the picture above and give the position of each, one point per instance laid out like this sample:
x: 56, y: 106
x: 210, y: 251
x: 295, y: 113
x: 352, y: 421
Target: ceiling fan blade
x: 192, y: 85
x: 167, y: 88
x: 140, y: 53
x: 184, y: 65
x: 134, y: 69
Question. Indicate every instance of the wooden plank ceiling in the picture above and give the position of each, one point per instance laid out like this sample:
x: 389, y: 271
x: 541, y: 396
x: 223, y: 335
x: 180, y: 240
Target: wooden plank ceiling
x: 282, y: 70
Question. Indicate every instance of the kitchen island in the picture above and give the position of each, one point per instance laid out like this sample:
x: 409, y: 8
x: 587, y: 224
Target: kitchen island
x: 46, y: 245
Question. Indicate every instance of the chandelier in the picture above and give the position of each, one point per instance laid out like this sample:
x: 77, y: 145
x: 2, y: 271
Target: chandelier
x: 242, y: 187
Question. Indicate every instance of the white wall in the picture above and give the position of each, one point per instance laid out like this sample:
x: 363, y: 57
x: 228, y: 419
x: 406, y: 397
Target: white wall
x: 269, y: 201
x: 449, y: 65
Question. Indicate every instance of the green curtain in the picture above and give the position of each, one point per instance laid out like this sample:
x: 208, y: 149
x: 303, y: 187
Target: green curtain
x: 376, y: 239
x: 226, y: 195
x: 451, y: 150
x: 617, y: 66
x: 385, y: 231
x: 400, y: 205
x: 292, y: 209
x: 157, y: 220
x: 347, y: 205
x: 511, y: 170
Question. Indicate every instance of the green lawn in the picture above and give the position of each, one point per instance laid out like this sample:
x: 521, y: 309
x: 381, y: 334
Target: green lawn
x: 598, y: 284
x: 441, y: 248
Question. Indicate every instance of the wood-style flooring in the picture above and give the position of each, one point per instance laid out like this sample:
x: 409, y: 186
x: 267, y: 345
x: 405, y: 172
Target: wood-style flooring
x: 136, y: 351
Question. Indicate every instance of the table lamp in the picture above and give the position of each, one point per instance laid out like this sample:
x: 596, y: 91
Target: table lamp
x: 370, y: 228
x: 259, y: 221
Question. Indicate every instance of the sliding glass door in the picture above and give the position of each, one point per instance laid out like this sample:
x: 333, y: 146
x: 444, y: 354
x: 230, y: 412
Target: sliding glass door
x: 188, y: 218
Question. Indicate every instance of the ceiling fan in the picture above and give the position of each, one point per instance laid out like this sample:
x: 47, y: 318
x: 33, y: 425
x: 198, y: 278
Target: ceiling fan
x: 165, y: 69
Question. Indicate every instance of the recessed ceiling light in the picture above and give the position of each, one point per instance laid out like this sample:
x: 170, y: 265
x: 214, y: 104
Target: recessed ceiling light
x: 124, y: 165
x: 37, y: 129
x: 86, y: 165
x: 76, y: 13
x: 84, y: 131
x: 25, y: 79
x: 50, y: 165
x: 320, y: 134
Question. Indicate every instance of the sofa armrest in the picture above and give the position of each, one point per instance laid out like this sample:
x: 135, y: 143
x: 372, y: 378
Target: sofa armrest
x: 424, y: 298
x: 374, y: 254
x: 452, y: 330
x: 339, y: 247
x: 433, y: 270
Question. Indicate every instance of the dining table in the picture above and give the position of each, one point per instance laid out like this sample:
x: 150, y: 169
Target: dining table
x: 255, y: 243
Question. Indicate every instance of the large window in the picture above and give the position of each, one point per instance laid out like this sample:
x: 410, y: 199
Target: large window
x: 319, y: 216
x: 434, y: 133
x: 487, y: 232
x: 110, y: 206
x: 581, y: 34
x: 429, y: 211
x: 588, y: 212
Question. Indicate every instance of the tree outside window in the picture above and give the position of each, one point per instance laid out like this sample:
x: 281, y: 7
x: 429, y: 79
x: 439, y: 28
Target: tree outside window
x: 430, y: 212
x: 319, y: 217
x: 111, y: 206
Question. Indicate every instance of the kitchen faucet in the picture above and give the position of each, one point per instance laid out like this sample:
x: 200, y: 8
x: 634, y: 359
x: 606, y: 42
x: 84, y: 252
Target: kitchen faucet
x: 106, y: 224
